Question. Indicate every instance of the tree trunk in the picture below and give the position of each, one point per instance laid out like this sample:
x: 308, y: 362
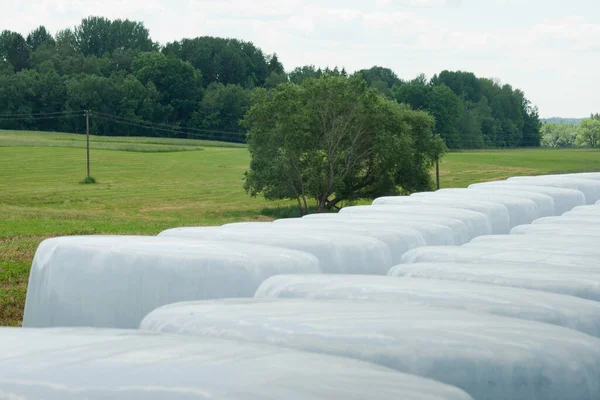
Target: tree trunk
x: 304, y: 209
x: 330, y: 204
x: 300, y: 208
x: 322, y: 202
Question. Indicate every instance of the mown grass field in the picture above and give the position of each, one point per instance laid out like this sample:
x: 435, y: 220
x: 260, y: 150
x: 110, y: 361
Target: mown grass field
x: 146, y: 185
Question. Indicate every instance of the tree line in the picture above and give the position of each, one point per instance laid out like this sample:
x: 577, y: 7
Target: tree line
x: 585, y: 133
x: 205, y: 85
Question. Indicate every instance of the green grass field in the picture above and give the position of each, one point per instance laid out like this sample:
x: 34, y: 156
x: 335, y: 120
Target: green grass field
x: 146, y: 185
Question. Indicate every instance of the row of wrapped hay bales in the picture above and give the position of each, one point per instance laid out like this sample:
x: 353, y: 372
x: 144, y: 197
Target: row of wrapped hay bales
x: 429, y: 286
x: 556, y: 309
x: 488, y: 356
x: 101, y: 364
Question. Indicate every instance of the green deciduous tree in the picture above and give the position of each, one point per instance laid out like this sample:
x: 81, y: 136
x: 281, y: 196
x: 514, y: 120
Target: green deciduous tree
x: 14, y: 50
x: 275, y: 66
x: 98, y: 35
x: 179, y: 84
x: 299, y: 74
x: 334, y: 139
x: 589, y: 133
x: 439, y: 101
x: 226, y: 61
x: 560, y: 134
x: 380, y: 77
x: 222, y: 108
x: 275, y: 79
x: 38, y: 37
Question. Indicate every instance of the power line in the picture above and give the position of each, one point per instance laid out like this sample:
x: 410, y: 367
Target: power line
x: 206, y: 134
x: 165, y: 126
x: 34, y: 115
x: 37, y: 118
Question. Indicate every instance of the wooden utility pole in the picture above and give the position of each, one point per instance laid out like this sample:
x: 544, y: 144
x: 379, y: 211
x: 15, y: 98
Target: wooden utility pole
x: 437, y: 173
x: 87, y: 136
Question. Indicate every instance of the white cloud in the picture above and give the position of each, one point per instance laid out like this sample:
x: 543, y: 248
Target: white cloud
x: 573, y: 32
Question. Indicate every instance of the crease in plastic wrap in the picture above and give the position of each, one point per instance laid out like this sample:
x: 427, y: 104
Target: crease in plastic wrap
x: 557, y: 278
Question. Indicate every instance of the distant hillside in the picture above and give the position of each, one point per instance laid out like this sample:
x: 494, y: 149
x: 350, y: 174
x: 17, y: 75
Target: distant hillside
x: 573, y: 121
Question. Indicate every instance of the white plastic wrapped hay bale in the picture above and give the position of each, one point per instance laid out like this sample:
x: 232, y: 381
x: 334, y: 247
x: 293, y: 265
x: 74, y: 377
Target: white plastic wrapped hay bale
x: 489, y: 357
x: 589, y: 187
x: 521, y: 211
x: 545, y: 203
x: 498, y: 213
x: 98, y: 364
x: 482, y: 255
x: 598, y: 202
x: 548, y: 241
x: 564, y: 199
x: 375, y: 246
x: 435, y: 231
x: 568, y: 311
x: 343, y: 253
x: 582, y: 283
x: 579, y: 175
x: 114, y: 281
x: 399, y: 240
x: 477, y: 223
x: 593, y: 211
x: 558, y: 230
x: 576, y: 219
x: 575, y: 246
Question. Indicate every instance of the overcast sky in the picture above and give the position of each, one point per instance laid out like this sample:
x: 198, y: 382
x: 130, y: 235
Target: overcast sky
x: 548, y: 48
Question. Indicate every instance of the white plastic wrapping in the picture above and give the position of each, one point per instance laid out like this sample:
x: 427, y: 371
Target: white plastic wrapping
x: 545, y: 203
x: 543, y: 277
x: 589, y: 220
x: 470, y: 254
x: 400, y: 240
x: 589, y: 187
x: 557, y: 230
x: 598, y: 202
x: 594, y: 208
x: 577, y: 245
x: 568, y: 311
x: 591, y: 212
x: 564, y: 199
x: 553, y: 240
x: 435, y: 231
x: 490, y: 357
x: 376, y: 244
x: 477, y: 223
x: 99, y: 364
x: 579, y: 175
x: 114, y: 281
x: 498, y: 213
x: 343, y: 253
x: 521, y: 211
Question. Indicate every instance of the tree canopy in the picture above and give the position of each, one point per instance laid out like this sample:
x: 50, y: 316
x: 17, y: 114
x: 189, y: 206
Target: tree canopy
x: 589, y: 133
x: 334, y: 139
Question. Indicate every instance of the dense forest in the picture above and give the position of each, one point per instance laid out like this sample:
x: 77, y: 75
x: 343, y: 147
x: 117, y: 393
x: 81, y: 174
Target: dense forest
x: 202, y: 87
